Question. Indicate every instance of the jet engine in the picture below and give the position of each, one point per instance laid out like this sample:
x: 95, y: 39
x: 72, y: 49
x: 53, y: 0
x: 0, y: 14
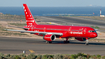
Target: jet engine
x: 49, y: 37
x: 81, y: 39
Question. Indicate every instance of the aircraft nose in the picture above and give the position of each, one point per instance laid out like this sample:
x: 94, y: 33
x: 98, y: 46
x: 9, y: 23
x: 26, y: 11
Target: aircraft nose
x: 95, y: 35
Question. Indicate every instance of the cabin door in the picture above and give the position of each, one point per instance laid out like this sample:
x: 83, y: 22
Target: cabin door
x: 84, y: 31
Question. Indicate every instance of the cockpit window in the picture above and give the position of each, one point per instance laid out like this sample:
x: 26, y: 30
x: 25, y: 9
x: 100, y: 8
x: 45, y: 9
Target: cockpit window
x: 91, y: 31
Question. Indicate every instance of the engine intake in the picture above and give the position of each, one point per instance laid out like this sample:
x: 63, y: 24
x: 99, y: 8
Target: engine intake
x: 49, y: 37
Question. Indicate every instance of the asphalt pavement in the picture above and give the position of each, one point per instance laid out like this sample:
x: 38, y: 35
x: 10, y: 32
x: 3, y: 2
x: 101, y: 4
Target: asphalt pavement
x: 10, y: 45
x: 74, y: 21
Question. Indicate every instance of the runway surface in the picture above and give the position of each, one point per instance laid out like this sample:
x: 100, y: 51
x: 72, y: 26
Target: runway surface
x: 79, y: 20
x: 17, y: 45
x: 74, y: 21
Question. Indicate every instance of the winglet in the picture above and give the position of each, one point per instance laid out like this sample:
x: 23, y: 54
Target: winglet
x: 29, y: 18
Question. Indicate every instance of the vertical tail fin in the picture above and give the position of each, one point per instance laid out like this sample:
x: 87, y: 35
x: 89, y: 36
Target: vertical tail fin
x: 29, y: 18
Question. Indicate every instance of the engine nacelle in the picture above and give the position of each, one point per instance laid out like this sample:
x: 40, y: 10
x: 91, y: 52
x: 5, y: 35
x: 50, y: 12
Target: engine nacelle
x: 81, y: 39
x: 49, y: 37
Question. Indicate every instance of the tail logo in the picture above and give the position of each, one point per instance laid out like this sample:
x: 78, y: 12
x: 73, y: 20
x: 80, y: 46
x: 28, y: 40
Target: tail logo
x: 30, y: 25
x: 29, y: 18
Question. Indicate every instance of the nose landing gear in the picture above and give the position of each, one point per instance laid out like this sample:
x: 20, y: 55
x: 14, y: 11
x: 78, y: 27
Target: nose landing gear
x: 87, y: 42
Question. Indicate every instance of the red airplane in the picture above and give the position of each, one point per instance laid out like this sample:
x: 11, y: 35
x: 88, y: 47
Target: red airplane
x: 51, y: 32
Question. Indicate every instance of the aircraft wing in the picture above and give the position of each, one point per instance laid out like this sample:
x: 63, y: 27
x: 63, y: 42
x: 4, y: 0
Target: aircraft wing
x: 33, y: 32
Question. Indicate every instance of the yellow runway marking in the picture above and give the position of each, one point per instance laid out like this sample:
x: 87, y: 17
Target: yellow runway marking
x: 32, y: 51
x: 50, y: 23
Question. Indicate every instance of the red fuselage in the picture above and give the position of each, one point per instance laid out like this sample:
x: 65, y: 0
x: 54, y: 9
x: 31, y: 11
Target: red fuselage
x: 68, y: 31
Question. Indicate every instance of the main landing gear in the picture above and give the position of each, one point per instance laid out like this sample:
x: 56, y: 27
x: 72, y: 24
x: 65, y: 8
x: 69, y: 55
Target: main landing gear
x: 48, y: 41
x: 66, y: 40
x: 87, y: 43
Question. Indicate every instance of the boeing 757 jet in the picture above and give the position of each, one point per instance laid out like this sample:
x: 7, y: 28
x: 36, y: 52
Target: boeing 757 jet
x: 51, y: 32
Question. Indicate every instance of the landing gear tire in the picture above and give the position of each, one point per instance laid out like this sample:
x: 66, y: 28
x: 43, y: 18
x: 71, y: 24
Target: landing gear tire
x: 87, y: 42
x: 66, y: 42
x: 48, y: 41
